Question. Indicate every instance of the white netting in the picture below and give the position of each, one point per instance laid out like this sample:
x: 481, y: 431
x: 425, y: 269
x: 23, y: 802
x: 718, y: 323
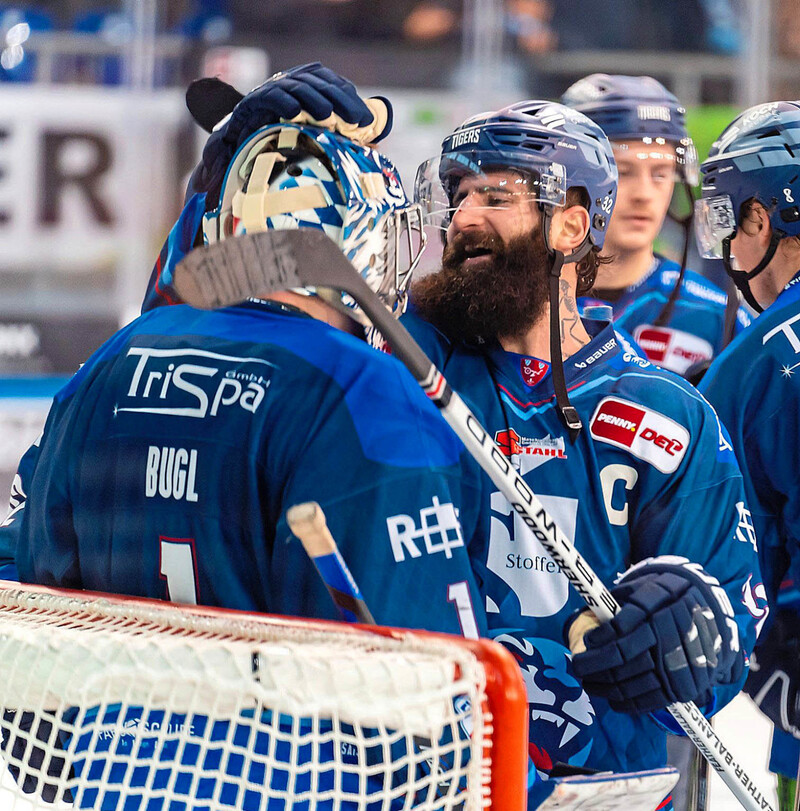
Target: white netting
x: 121, y: 707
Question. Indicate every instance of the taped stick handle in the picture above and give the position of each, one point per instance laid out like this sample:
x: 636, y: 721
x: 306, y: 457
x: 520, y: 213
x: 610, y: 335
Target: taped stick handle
x: 307, y: 522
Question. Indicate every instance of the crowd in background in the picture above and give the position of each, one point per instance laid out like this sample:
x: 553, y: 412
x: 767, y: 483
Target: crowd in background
x: 383, y: 42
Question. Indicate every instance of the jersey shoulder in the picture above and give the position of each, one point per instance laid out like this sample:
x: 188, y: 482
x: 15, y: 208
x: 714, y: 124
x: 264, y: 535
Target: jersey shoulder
x: 761, y: 364
x: 695, y: 287
x: 311, y: 359
x: 662, y: 393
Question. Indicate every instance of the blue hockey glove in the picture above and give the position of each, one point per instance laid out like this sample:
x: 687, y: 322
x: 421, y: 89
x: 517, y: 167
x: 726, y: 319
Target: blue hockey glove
x: 673, y: 640
x: 774, y: 680
x: 311, y: 94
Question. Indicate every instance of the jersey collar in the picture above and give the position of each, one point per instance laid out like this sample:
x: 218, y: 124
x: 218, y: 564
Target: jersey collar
x: 602, y: 346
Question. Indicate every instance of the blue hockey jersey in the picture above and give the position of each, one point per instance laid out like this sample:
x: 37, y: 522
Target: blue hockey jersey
x: 169, y: 460
x: 651, y: 474
x: 755, y: 387
x: 166, y: 468
x: 695, y: 330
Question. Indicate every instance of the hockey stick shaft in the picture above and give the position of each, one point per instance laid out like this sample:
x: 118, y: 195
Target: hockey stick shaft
x: 307, y: 522
x: 258, y: 264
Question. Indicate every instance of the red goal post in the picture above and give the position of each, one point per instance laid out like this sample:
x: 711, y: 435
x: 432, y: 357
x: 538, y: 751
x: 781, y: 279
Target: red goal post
x: 124, y: 704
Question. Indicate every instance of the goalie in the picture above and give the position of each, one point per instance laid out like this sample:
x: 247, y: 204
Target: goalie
x: 169, y: 460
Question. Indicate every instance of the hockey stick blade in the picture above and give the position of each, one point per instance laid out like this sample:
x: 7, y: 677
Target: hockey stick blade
x: 278, y: 260
x: 231, y: 271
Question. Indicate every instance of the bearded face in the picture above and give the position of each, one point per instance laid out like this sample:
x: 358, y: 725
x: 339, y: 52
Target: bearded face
x: 488, y: 286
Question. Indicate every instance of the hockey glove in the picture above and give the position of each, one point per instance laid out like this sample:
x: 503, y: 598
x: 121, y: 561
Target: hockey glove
x: 308, y: 94
x: 774, y: 680
x: 673, y: 639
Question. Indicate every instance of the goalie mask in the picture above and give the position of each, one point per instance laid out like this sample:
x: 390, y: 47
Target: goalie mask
x: 287, y: 176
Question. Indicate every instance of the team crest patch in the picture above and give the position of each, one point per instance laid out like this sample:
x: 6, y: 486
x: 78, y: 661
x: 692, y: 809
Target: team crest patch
x: 673, y: 349
x: 533, y: 371
x: 512, y: 444
x: 647, y: 434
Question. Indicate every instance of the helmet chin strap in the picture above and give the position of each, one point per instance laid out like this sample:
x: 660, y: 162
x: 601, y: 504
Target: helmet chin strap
x: 566, y: 411
x: 741, y: 278
x: 686, y: 223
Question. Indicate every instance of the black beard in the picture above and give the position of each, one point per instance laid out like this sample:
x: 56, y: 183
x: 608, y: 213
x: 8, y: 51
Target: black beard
x: 505, y: 295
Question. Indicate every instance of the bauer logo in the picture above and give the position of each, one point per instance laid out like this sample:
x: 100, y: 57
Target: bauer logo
x: 653, y: 112
x: 193, y: 383
x: 439, y: 530
x: 647, y: 434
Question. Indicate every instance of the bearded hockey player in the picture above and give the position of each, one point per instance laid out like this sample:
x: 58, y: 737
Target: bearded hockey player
x: 626, y: 457
x: 749, y: 216
x: 676, y: 316
x: 633, y: 485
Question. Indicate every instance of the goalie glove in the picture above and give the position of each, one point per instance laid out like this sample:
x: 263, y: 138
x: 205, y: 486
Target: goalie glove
x: 673, y: 639
x: 774, y: 680
x: 308, y: 94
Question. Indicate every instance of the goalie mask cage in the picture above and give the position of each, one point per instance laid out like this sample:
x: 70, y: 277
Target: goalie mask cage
x: 124, y: 704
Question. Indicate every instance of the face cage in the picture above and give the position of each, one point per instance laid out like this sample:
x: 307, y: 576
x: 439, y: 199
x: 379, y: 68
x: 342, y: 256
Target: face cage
x: 409, y: 222
x: 435, y: 199
x: 392, y: 288
x: 714, y: 221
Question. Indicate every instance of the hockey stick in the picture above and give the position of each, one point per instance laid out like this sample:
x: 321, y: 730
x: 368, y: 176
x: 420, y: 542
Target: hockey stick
x: 307, y: 522
x: 228, y: 272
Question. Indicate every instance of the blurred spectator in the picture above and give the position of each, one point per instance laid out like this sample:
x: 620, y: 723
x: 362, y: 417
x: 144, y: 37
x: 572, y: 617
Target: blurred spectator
x: 528, y: 21
x: 17, y: 24
x: 788, y: 29
x: 431, y: 21
x: 207, y: 21
x: 647, y: 25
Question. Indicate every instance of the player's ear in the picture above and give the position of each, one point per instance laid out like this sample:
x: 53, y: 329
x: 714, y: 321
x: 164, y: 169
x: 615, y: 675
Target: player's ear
x: 568, y: 228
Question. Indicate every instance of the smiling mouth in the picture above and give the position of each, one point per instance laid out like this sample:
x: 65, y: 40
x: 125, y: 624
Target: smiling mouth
x: 475, y: 253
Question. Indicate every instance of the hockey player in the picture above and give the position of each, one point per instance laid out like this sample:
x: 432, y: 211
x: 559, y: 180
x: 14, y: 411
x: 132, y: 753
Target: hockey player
x: 633, y: 487
x: 675, y: 315
x: 168, y: 462
x: 307, y: 93
x: 626, y: 457
x: 749, y: 217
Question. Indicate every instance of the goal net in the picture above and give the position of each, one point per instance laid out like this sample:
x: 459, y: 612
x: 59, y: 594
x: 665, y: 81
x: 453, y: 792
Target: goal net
x: 121, y: 704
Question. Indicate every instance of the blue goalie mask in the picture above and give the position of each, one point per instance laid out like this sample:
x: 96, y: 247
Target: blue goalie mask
x: 287, y: 176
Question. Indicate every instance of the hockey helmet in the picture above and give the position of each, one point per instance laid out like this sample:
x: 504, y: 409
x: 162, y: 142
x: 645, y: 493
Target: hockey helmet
x: 288, y: 176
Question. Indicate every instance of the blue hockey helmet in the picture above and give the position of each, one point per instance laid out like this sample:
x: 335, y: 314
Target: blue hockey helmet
x: 757, y: 157
x: 637, y: 108
x: 287, y: 176
x: 552, y: 147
